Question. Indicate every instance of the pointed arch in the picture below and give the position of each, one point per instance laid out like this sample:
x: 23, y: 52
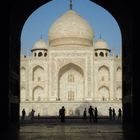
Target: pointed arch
x: 38, y: 94
x: 118, y: 95
x: 37, y: 74
x: 118, y: 68
x: 104, y: 73
x: 70, y: 82
x: 118, y: 74
x: 104, y: 93
x: 68, y: 67
x: 23, y: 74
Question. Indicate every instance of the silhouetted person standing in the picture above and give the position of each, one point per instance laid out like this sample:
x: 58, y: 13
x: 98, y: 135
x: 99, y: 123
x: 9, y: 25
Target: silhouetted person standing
x: 91, y: 113
x: 32, y: 114
x: 110, y: 113
x: 96, y: 114
x: 62, y: 114
x: 38, y: 116
x: 114, y: 114
x: 119, y: 114
x: 23, y: 114
x: 85, y: 114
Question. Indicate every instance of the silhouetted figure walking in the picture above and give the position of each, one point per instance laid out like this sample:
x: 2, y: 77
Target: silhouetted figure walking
x: 62, y: 114
x: 32, y: 114
x: 119, y: 114
x: 114, y: 114
x: 91, y: 113
x: 110, y: 113
x: 96, y: 114
x: 23, y: 114
x: 85, y: 114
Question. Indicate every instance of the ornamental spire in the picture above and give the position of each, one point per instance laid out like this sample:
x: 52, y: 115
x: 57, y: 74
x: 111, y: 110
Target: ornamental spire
x: 100, y: 36
x: 41, y: 36
x: 70, y: 4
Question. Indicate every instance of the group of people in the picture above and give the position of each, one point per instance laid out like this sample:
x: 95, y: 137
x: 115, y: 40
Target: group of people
x: 112, y: 114
x: 93, y: 114
x: 31, y: 114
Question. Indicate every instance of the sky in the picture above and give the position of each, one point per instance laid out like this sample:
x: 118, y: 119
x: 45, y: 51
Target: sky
x: 101, y: 21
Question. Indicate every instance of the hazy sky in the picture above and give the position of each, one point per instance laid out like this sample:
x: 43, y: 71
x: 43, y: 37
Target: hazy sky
x: 101, y: 21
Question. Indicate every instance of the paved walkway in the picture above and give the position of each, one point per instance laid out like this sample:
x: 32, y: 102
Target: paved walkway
x: 72, y: 130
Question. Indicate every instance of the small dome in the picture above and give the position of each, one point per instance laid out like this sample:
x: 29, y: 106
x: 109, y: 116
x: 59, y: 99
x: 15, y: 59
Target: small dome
x: 40, y: 45
x: 70, y: 28
x: 101, y: 44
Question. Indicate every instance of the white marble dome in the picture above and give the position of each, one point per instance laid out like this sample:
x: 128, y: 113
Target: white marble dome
x: 69, y: 29
x: 101, y: 44
x: 40, y: 45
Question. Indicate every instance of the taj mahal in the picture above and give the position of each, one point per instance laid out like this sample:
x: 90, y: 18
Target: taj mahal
x: 70, y: 69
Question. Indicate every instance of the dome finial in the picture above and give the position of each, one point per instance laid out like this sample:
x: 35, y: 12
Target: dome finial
x: 70, y: 4
x: 100, y: 36
x: 41, y: 36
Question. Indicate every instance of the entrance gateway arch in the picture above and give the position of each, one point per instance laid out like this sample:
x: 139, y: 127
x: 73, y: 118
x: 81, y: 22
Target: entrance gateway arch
x: 121, y: 10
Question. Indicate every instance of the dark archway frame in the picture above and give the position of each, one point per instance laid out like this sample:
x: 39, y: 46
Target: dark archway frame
x: 19, y: 12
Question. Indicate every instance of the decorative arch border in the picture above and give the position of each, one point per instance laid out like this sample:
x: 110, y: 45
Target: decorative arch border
x: 66, y: 67
x: 103, y: 86
x: 118, y: 68
x: 34, y: 68
x: 103, y: 66
x: 34, y: 90
x: 37, y: 66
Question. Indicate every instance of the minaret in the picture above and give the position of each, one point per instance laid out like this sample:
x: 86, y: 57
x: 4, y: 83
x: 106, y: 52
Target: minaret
x: 70, y: 4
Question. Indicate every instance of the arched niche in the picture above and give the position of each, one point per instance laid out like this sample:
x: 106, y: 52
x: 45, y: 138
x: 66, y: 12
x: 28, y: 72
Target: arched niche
x: 104, y: 74
x: 103, y: 93
x: 70, y: 82
x: 23, y: 74
x: 37, y: 73
x: 38, y: 93
x: 118, y: 74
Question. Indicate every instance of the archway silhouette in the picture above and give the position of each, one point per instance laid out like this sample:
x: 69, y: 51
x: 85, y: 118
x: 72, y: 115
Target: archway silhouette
x: 121, y: 11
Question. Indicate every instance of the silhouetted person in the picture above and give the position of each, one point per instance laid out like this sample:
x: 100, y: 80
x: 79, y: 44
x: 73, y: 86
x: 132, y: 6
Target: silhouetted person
x: 91, y: 113
x: 96, y: 114
x: 62, y: 114
x: 23, y: 114
x: 85, y: 114
x: 119, y: 114
x: 32, y: 114
x: 38, y: 116
x: 110, y: 113
x: 114, y: 114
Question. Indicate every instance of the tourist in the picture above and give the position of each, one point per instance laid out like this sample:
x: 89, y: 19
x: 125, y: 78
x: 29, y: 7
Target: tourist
x: 91, y: 113
x: 96, y: 114
x: 85, y: 114
x: 23, y: 114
